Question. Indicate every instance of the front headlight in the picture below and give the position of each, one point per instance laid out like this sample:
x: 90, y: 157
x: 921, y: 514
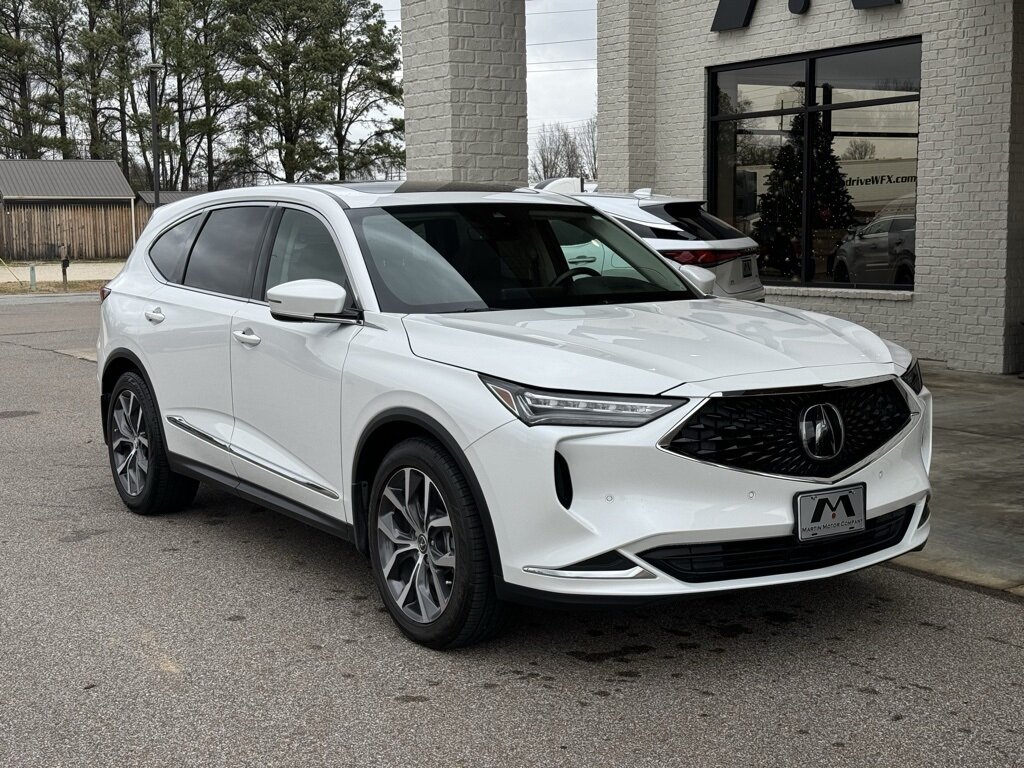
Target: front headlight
x: 537, y: 406
x: 912, y: 376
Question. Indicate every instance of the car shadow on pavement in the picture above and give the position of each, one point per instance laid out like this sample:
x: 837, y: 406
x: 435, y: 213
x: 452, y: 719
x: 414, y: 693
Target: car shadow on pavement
x: 825, y: 615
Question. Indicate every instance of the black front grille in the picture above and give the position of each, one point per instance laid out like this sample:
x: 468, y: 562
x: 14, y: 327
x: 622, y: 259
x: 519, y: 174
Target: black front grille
x: 761, y: 432
x: 697, y: 563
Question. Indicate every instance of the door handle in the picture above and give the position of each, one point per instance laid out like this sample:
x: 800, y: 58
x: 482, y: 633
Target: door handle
x: 155, y: 316
x: 247, y: 337
x: 583, y: 260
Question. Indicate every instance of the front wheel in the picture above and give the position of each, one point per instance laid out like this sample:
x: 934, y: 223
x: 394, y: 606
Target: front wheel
x: 138, y: 457
x: 428, y: 550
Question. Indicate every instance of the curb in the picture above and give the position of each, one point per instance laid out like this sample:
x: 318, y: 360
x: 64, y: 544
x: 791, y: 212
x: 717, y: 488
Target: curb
x: 49, y: 298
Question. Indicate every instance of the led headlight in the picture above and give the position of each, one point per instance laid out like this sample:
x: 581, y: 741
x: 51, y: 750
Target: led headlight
x: 537, y: 406
x: 912, y: 376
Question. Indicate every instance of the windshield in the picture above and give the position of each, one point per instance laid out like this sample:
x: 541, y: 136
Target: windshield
x: 480, y: 256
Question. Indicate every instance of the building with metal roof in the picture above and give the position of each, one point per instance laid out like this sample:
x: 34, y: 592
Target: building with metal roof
x: 63, y: 180
x: 82, y: 208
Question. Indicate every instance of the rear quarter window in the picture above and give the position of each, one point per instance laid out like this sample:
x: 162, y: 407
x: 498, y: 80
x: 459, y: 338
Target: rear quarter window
x: 170, y: 251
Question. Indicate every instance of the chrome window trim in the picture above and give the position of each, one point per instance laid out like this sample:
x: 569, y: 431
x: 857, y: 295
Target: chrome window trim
x: 912, y: 403
x: 274, y: 469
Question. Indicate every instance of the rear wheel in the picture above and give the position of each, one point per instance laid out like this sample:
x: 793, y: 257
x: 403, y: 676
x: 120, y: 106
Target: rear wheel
x: 427, y: 548
x: 138, y: 457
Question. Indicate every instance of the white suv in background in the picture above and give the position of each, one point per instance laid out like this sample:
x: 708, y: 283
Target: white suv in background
x: 681, y: 230
x: 423, y: 372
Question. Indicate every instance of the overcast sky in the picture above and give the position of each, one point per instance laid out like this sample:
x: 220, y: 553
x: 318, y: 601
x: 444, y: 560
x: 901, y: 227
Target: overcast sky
x: 562, y: 76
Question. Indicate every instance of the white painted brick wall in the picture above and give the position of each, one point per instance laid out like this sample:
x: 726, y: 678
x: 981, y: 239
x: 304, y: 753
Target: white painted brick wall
x: 464, y: 65
x: 969, y: 294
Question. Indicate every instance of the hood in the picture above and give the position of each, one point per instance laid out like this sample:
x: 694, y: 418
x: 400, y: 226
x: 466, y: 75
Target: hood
x: 640, y: 348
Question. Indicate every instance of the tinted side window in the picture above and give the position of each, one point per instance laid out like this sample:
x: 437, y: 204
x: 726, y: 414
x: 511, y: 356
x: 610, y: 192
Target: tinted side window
x: 303, y: 249
x: 639, y: 229
x: 692, y: 218
x: 170, y: 250
x: 224, y: 255
x: 878, y: 227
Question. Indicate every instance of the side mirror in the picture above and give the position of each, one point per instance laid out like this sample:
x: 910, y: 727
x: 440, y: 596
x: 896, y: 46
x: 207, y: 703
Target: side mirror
x: 702, y: 279
x: 310, y: 301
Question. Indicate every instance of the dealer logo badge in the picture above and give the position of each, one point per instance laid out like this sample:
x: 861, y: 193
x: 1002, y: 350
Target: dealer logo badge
x: 821, y: 429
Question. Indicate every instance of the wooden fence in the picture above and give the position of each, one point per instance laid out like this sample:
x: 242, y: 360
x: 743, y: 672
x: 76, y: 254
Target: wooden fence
x: 31, y: 230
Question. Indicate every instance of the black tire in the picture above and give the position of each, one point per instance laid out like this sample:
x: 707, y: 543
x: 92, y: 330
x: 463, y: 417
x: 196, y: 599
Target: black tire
x: 473, y: 612
x: 841, y: 273
x: 162, y: 490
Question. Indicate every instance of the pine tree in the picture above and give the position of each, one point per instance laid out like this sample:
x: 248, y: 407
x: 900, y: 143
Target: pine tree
x: 780, y: 227
x: 361, y: 61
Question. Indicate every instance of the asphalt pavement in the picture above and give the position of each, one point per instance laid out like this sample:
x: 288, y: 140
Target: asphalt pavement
x: 228, y: 635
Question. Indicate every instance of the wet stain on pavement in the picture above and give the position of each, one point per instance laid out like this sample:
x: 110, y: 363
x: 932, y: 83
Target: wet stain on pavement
x: 779, y: 617
x: 733, y: 630
x: 621, y: 654
x: 16, y: 414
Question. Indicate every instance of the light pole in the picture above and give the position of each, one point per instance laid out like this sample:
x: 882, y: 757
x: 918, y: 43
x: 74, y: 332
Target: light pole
x: 154, y: 68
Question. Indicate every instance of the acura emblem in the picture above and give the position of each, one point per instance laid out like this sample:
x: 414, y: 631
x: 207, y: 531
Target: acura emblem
x: 821, y: 429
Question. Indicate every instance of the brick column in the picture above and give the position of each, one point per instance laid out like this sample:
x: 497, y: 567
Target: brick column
x: 982, y: 257
x: 627, y: 44
x: 464, y: 67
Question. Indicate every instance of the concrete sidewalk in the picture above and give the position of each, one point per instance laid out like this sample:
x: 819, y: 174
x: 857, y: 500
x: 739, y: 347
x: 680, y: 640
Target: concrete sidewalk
x: 49, y: 272
x: 977, y: 479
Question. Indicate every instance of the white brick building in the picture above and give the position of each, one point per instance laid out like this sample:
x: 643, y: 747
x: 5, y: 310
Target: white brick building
x: 932, y: 89
x: 875, y: 148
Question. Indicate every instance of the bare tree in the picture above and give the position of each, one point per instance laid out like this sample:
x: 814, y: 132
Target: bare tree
x: 556, y: 153
x: 859, y: 149
x: 586, y: 140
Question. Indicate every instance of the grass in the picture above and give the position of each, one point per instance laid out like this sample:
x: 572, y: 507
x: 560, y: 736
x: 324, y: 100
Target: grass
x: 74, y: 286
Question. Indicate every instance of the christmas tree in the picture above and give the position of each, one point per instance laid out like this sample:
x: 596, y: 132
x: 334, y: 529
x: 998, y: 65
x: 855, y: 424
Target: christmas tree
x: 780, y: 206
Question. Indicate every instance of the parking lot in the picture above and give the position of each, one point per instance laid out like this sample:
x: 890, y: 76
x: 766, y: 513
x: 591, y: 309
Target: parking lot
x: 230, y: 635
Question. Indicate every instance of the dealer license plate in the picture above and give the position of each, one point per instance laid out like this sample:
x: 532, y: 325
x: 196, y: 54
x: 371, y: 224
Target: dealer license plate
x: 820, y: 514
x: 748, y: 267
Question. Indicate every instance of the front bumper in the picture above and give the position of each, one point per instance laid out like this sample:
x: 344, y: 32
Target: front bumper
x: 631, y: 497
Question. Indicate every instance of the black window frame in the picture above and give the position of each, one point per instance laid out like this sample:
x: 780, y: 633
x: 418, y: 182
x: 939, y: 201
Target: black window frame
x: 810, y: 106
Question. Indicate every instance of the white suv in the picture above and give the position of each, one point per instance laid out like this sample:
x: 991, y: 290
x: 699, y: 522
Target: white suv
x: 425, y: 374
x: 683, y: 232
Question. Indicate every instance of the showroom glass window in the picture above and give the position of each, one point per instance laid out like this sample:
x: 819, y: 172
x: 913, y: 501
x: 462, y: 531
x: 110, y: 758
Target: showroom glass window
x: 815, y: 157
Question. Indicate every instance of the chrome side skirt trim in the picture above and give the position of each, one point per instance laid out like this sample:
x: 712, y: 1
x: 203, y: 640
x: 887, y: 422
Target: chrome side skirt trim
x: 631, y: 573
x: 216, y: 442
x: 183, y: 425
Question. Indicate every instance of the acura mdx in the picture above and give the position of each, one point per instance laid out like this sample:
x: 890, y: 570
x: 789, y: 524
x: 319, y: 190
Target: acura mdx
x: 424, y: 372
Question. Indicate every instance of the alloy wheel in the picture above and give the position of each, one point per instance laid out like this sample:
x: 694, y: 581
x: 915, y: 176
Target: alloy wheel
x: 416, y: 544
x: 130, y: 443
